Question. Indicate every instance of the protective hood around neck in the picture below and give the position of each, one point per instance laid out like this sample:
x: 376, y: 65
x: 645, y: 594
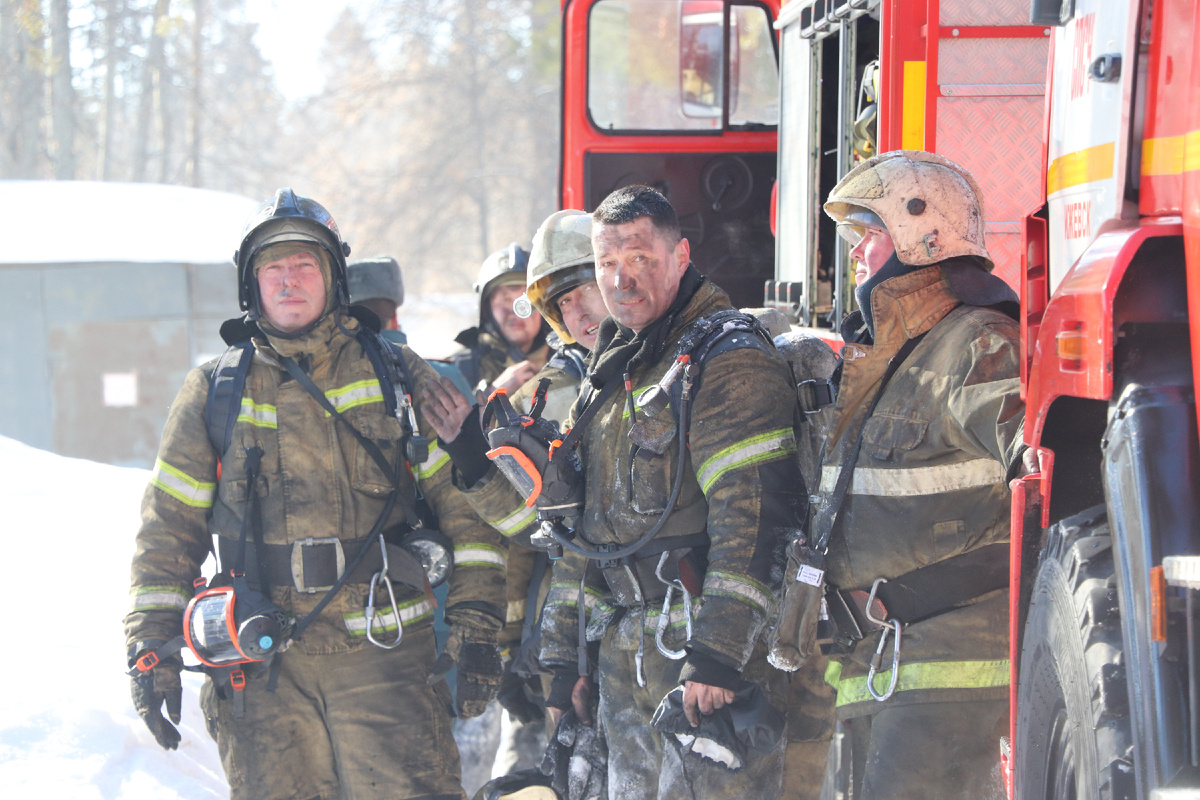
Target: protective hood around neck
x: 892, y: 268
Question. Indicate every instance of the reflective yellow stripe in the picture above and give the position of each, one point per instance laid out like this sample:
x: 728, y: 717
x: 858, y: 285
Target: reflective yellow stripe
x: 385, y: 618
x: 479, y: 555
x: 917, y: 481
x: 1163, y: 156
x: 181, y: 486
x: 912, y: 121
x: 1080, y: 167
x: 738, y: 587
x: 261, y: 416
x: 921, y: 675
x: 515, y: 521
x: 567, y: 594
x: 675, y: 617
x: 1191, y: 151
x: 437, y: 459
x: 768, y: 446
x: 158, y: 598
x: 355, y: 394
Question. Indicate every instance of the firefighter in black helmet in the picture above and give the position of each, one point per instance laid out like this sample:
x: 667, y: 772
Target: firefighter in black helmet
x: 505, y: 349
x: 321, y: 485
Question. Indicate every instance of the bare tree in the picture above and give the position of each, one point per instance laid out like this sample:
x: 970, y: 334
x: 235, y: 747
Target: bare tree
x: 62, y: 92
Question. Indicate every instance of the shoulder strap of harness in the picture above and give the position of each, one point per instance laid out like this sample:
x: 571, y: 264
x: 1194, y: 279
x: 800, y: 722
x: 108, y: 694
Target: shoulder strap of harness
x: 224, y: 402
x: 714, y: 335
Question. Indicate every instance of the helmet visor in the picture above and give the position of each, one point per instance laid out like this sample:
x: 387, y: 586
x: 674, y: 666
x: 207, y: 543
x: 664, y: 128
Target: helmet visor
x: 854, y: 226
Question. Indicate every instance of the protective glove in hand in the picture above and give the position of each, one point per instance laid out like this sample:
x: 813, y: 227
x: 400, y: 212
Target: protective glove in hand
x: 516, y: 696
x: 475, y: 652
x: 150, y: 690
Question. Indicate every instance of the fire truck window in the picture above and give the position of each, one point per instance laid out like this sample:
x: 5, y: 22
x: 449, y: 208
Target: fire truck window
x: 753, y: 71
x: 655, y: 65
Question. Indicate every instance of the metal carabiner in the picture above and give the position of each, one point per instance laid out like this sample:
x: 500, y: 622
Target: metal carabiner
x: 376, y: 579
x: 664, y: 618
x: 889, y: 626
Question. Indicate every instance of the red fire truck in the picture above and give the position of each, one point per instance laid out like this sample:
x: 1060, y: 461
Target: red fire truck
x: 1081, y: 121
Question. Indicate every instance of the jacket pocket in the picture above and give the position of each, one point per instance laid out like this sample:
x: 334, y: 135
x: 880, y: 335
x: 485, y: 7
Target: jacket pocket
x: 649, y: 481
x: 234, y: 484
x: 385, y: 431
x: 884, y: 435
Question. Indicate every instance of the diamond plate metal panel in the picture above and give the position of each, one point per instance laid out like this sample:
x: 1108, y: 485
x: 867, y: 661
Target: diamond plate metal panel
x: 992, y: 61
x: 1005, y: 250
x: 984, y: 12
x: 998, y: 139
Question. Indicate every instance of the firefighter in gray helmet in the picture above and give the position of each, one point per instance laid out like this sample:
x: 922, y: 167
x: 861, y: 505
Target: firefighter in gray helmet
x: 504, y: 346
x: 377, y: 284
x: 292, y: 457
x: 561, y: 286
x: 913, y: 502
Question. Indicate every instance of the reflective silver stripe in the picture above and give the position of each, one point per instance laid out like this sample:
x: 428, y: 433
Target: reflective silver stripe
x: 723, y: 584
x: 261, y: 416
x: 479, y: 555
x: 158, y: 598
x: 916, y: 481
x: 355, y: 394
x: 181, y: 486
x: 515, y: 521
x: 437, y: 459
x: 567, y: 594
x: 755, y: 450
x: 385, y: 619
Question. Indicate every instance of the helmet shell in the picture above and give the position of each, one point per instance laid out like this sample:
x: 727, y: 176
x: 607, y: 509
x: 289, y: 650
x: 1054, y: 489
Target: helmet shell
x: 501, y: 268
x: 374, y: 279
x: 932, y: 207
x: 290, y: 217
x: 561, y: 259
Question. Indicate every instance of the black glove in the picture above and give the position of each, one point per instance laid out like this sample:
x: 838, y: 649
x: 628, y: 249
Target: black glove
x: 473, y: 649
x: 150, y: 690
x: 517, y: 696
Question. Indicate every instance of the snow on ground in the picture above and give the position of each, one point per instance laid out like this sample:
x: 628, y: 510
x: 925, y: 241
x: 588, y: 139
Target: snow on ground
x: 67, y: 725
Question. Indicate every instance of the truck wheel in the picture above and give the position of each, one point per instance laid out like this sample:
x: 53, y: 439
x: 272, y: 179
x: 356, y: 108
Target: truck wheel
x: 1073, y: 727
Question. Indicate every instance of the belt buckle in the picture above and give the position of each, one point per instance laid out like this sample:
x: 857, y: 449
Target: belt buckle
x: 298, y: 562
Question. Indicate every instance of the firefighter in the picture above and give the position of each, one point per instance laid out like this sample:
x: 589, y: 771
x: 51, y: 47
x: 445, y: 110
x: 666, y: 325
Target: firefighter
x: 377, y: 284
x: 914, y: 495
x: 706, y: 502
x: 504, y: 349
x: 562, y: 288
x: 319, y: 464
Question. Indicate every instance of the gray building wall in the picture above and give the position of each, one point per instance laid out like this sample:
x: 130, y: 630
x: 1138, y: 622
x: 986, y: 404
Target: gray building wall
x: 65, y: 328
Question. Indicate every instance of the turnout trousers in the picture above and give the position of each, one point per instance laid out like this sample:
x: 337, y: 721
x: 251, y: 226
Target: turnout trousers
x: 357, y: 725
x: 929, y: 751
x: 641, y: 765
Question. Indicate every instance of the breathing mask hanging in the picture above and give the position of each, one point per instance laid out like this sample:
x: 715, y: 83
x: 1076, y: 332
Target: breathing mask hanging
x: 233, y: 624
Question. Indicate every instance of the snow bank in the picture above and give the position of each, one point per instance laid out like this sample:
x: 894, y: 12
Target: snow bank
x: 67, y: 726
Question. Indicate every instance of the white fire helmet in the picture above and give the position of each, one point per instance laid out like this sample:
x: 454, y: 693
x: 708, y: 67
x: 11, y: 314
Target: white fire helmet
x: 561, y: 259
x: 930, y: 206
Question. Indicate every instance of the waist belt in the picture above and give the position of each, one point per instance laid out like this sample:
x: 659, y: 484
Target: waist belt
x: 922, y: 593
x: 313, y: 565
x: 656, y: 546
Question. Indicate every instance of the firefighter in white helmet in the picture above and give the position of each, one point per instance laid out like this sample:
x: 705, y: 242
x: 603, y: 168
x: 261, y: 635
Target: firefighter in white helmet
x: 912, y: 510
x: 561, y: 286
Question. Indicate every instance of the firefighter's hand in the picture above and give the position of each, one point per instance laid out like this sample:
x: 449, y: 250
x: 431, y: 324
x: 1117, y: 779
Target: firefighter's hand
x: 153, y: 688
x: 515, y: 376
x: 701, y: 698
x: 444, y: 407
x: 473, y: 649
x: 581, y: 701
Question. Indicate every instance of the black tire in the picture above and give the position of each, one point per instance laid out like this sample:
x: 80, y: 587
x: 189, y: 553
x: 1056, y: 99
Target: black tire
x: 1073, y: 724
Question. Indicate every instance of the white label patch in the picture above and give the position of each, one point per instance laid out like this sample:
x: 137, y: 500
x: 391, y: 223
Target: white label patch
x: 810, y: 575
x: 120, y: 389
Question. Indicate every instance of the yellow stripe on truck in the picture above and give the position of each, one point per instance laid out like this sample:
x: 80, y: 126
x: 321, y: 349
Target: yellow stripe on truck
x: 912, y: 123
x: 1080, y: 167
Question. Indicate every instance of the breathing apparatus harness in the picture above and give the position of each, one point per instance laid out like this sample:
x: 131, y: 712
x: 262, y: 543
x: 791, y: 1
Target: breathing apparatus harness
x: 230, y: 621
x: 545, y: 468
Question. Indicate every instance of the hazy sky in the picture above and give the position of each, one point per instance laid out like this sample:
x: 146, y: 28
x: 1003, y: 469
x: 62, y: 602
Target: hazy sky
x: 291, y: 34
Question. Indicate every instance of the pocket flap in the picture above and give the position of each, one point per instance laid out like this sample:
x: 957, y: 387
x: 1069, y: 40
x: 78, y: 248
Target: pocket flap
x: 883, y: 435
